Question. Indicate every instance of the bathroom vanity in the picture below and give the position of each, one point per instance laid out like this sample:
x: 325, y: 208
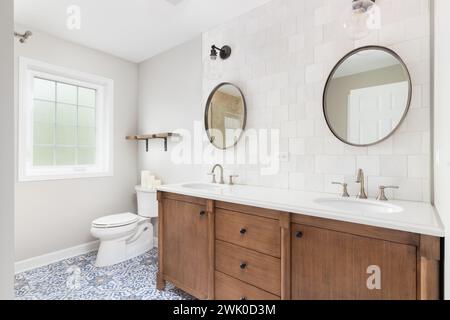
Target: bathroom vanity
x: 240, y: 242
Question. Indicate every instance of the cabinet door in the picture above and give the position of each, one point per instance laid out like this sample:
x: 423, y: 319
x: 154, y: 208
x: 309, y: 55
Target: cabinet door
x: 333, y: 265
x: 185, y: 239
x: 384, y: 270
x: 322, y: 265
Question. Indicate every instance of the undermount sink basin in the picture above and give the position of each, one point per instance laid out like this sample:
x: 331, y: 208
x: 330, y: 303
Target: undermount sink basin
x: 362, y: 206
x: 203, y: 186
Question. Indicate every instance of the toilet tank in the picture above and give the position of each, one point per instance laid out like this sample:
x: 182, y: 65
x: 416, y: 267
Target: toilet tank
x: 147, y: 202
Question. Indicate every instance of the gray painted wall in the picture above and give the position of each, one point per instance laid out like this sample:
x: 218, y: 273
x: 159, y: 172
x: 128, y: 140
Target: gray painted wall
x: 170, y: 87
x: 55, y: 215
x: 7, y: 150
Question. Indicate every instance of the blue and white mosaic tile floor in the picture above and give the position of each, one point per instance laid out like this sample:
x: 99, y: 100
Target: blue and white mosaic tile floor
x: 78, y: 279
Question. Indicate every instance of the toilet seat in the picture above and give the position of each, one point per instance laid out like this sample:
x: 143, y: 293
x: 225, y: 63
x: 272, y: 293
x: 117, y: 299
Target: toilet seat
x: 115, y: 220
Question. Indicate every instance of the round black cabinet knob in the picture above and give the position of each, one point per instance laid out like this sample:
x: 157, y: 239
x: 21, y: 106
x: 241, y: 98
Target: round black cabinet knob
x: 243, y: 231
x: 243, y: 265
x: 299, y: 234
x: 202, y: 213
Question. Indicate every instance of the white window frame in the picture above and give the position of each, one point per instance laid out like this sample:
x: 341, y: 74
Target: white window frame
x: 28, y: 70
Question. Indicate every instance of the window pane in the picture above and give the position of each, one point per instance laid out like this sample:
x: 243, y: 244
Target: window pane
x: 65, y: 156
x: 66, y: 135
x: 86, y: 117
x: 43, y: 133
x: 66, y: 115
x: 43, y: 156
x: 86, y: 97
x: 64, y: 119
x: 86, y: 136
x: 44, y: 111
x: 67, y: 93
x: 44, y: 89
x: 86, y: 156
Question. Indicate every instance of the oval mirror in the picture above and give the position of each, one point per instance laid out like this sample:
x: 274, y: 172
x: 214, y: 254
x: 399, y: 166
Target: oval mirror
x: 225, y: 116
x: 367, y: 96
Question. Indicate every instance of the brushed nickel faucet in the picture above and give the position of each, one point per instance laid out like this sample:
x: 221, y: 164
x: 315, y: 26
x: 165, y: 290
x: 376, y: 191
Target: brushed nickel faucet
x: 360, y: 179
x: 344, y: 189
x: 213, y: 174
x: 382, y: 195
x: 231, y: 182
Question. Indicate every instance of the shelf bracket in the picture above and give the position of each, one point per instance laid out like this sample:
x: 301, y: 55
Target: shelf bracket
x: 147, y: 145
x: 146, y: 138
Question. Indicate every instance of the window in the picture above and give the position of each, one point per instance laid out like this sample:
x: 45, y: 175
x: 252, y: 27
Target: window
x: 65, y: 123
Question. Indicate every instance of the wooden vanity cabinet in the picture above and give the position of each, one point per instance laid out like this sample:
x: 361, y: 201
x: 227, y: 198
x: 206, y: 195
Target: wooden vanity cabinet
x: 330, y: 265
x: 218, y: 250
x: 184, y: 251
x: 344, y: 261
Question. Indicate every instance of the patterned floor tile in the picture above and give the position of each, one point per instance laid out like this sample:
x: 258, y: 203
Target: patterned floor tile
x: 78, y: 279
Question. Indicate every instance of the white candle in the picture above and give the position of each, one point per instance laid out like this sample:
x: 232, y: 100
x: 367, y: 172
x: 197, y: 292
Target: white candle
x: 144, y: 178
x: 157, y: 183
x: 150, y: 182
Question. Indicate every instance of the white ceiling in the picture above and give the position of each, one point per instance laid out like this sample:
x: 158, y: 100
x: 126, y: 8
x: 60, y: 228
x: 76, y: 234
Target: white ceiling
x: 131, y: 29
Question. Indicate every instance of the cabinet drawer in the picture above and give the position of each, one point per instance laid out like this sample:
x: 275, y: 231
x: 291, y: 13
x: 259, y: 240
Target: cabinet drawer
x: 251, y: 232
x: 257, y: 269
x: 228, y: 288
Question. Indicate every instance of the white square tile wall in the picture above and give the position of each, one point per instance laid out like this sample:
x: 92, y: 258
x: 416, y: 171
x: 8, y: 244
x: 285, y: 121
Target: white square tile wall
x: 282, y: 55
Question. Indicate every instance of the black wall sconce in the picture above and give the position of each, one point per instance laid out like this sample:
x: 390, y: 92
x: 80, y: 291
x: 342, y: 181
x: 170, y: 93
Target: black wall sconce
x: 224, y: 52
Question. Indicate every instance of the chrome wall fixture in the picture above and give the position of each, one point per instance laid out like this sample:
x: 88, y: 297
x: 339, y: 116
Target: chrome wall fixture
x: 23, y: 37
x: 224, y: 52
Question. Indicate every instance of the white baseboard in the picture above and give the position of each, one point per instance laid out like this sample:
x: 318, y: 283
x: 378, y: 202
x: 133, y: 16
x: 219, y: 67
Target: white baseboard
x: 49, y: 258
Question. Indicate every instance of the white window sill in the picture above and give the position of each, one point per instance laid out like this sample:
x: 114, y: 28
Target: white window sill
x: 50, y: 177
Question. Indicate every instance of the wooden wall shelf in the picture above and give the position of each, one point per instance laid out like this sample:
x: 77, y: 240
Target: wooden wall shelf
x: 146, y: 137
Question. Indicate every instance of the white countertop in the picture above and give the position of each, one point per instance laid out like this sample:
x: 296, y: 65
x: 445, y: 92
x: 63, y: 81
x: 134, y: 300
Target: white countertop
x: 416, y: 217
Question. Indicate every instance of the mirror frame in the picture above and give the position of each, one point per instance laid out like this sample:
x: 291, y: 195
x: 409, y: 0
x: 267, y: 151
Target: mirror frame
x: 208, y: 102
x: 332, y: 73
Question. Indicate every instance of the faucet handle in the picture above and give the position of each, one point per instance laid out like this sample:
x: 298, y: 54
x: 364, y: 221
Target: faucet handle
x: 231, y: 182
x: 344, y: 188
x: 382, y: 195
x: 213, y: 175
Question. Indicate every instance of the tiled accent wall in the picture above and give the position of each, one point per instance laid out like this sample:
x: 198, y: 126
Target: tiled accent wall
x: 282, y: 55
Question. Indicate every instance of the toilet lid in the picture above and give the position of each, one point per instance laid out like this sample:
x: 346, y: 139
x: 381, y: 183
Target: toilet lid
x: 115, y: 220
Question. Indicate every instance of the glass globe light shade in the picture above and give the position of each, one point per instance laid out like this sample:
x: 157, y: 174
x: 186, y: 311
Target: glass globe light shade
x: 357, y: 18
x: 214, y: 69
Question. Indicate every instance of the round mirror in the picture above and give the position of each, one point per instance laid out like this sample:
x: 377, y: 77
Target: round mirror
x: 225, y: 116
x: 367, y: 96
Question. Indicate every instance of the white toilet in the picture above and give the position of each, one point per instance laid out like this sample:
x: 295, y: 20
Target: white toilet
x: 126, y: 235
